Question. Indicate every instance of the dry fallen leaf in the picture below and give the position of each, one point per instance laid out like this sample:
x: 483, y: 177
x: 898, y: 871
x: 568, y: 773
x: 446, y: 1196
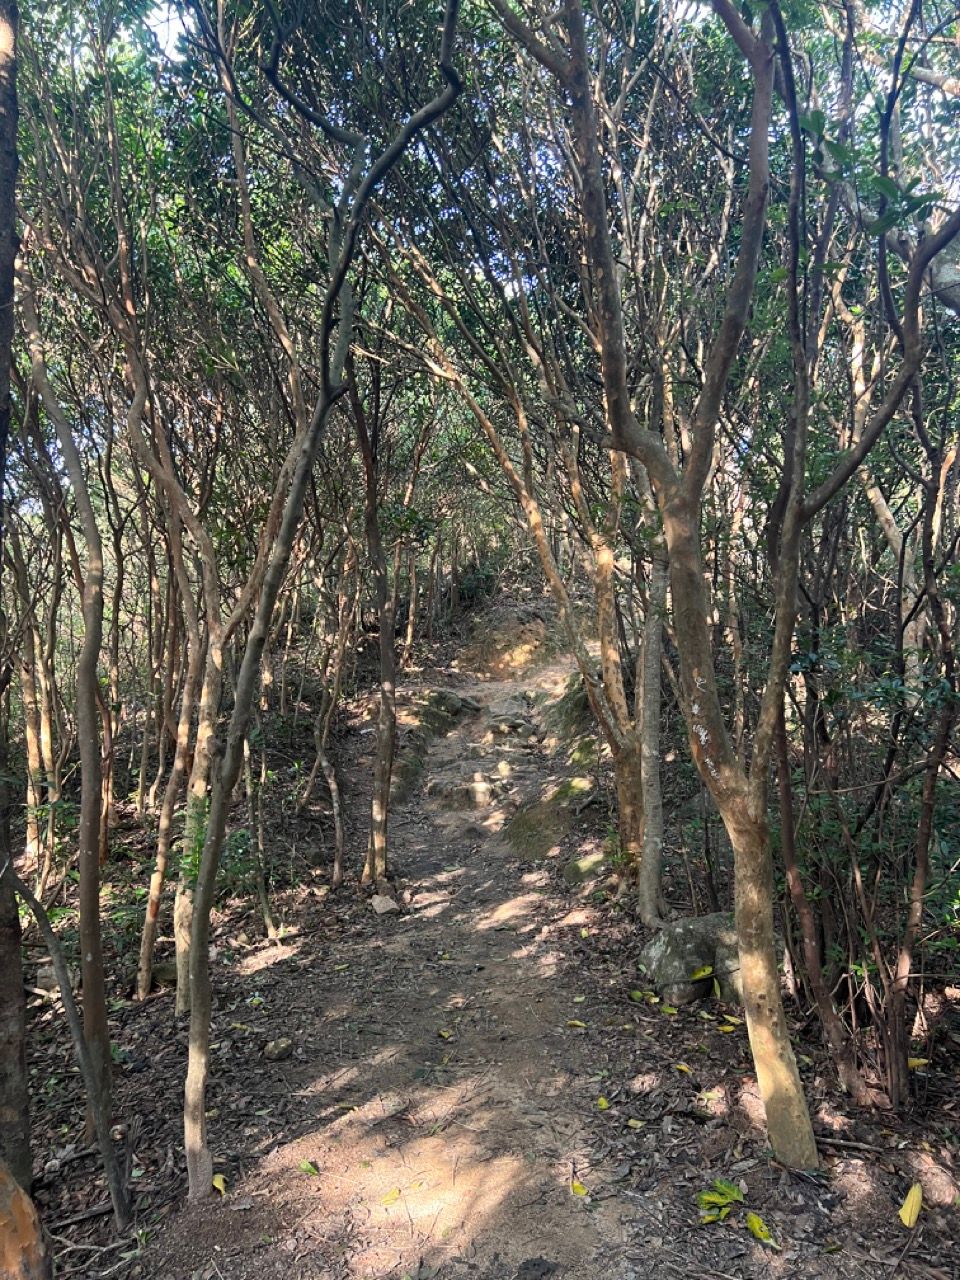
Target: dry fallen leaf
x: 575, y: 1022
x: 391, y: 1197
x: 912, y: 1204
x: 220, y: 1182
x: 578, y: 1188
x: 603, y: 1104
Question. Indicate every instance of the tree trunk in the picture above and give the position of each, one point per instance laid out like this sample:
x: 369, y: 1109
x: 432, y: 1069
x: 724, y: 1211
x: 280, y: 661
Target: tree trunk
x: 412, y: 601
x: 165, y: 826
x: 23, y: 1250
x: 88, y: 727
x: 788, y: 1120
x: 14, y: 1098
x: 195, y: 824
x: 14, y: 1108
x: 649, y: 886
x: 834, y: 1032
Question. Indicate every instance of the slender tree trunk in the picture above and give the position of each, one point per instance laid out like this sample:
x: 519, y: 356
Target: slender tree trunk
x: 649, y: 883
x: 834, y: 1032
x: 195, y: 826
x: 14, y: 1108
x: 223, y: 780
x: 412, y: 601
x: 31, y: 729
x: 165, y: 825
x: 376, y: 867
x: 432, y: 589
x: 14, y: 1099
x: 88, y: 730
x: 88, y: 1067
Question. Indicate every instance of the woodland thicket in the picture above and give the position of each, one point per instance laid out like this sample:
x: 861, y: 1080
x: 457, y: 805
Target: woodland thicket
x: 326, y: 316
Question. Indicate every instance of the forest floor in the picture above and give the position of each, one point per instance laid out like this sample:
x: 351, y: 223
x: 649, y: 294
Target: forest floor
x: 469, y: 1091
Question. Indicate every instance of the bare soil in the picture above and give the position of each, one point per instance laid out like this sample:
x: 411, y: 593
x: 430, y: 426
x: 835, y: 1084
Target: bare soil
x: 471, y: 1091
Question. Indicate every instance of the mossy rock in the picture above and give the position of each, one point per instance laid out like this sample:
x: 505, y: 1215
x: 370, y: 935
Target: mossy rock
x: 584, y: 751
x: 445, y: 700
x: 407, y: 772
x: 570, y: 716
x: 579, y: 870
x: 541, y: 825
x: 577, y: 788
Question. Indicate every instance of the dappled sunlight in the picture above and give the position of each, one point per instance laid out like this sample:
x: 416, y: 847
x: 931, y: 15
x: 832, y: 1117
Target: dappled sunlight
x: 644, y: 1082
x: 750, y: 1105
x: 830, y: 1118
x: 858, y: 1181
x: 268, y: 956
x: 509, y: 912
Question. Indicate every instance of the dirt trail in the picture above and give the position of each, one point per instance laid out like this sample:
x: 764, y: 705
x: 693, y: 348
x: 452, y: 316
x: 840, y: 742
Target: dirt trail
x: 437, y: 1112
x: 443, y: 1110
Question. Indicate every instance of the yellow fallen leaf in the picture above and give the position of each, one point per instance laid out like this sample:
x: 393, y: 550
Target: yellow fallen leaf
x: 759, y: 1230
x: 220, y: 1182
x: 914, y: 1064
x: 715, y: 1215
x: 584, y: 933
x: 578, y: 1188
x: 681, y: 1066
x: 575, y: 1022
x: 579, y: 999
x: 391, y: 1197
x: 603, y: 1104
x: 726, y: 1030
x: 444, y: 1034
x: 729, y: 1017
x: 704, y: 971
x: 668, y: 1009
x: 635, y: 1124
x: 913, y: 1203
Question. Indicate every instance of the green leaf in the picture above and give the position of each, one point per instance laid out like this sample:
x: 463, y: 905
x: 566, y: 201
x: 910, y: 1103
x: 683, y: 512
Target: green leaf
x: 885, y: 186
x: 880, y: 226
x: 814, y: 123
x: 307, y: 1166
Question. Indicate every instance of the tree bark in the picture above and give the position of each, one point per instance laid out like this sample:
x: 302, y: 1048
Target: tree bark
x: 14, y: 1103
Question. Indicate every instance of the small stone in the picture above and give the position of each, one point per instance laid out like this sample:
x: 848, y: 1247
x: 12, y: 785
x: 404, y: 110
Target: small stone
x: 382, y: 904
x: 683, y: 947
x: 47, y: 979
x: 277, y: 1050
